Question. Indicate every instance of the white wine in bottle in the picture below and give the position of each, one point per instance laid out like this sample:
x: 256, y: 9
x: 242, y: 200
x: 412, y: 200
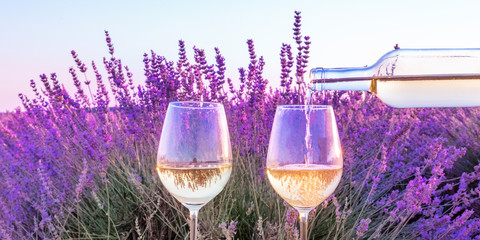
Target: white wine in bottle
x: 406, y: 78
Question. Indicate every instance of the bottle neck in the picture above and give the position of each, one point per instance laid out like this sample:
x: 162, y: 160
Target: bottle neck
x: 341, y: 78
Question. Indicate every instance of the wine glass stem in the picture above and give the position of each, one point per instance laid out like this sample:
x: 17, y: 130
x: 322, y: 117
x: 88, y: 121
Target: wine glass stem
x: 193, y: 224
x: 303, y: 225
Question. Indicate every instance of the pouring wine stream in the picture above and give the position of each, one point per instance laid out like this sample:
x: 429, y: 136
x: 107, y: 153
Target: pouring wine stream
x: 308, y: 134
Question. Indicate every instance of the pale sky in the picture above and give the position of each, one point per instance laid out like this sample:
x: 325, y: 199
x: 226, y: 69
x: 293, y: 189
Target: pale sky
x: 37, y: 36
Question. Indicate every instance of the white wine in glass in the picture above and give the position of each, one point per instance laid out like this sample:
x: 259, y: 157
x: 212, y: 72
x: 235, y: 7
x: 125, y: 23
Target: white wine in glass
x: 304, y: 186
x: 194, y: 159
x: 194, y: 184
x: 304, y: 161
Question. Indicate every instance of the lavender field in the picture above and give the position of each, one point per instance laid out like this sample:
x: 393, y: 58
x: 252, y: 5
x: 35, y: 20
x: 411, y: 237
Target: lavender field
x: 82, y: 164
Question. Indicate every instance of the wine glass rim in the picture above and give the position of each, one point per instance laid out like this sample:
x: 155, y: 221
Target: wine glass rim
x: 302, y: 107
x: 195, y: 105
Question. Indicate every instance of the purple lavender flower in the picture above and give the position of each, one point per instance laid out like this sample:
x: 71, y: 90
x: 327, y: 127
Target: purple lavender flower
x: 230, y: 230
x: 363, y: 227
x: 81, y: 66
x: 111, y: 50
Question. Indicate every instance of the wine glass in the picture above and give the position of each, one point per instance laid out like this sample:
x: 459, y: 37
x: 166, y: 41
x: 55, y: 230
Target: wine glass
x: 304, y: 160
x: 194, y: 159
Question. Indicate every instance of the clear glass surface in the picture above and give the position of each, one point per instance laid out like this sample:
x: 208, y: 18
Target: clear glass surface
x: 304, y: 161
x: 194, y: 159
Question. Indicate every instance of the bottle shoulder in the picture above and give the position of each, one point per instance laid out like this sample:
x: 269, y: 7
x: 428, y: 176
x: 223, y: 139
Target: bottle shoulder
x: 445, y: 61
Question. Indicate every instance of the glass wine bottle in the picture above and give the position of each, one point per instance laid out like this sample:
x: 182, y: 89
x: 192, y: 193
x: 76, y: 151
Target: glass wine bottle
x: 406, y: 78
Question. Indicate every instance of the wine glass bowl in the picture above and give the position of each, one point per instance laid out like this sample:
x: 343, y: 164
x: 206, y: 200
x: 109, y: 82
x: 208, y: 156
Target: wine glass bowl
x: 304, y: 160
x: 194, y: 160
